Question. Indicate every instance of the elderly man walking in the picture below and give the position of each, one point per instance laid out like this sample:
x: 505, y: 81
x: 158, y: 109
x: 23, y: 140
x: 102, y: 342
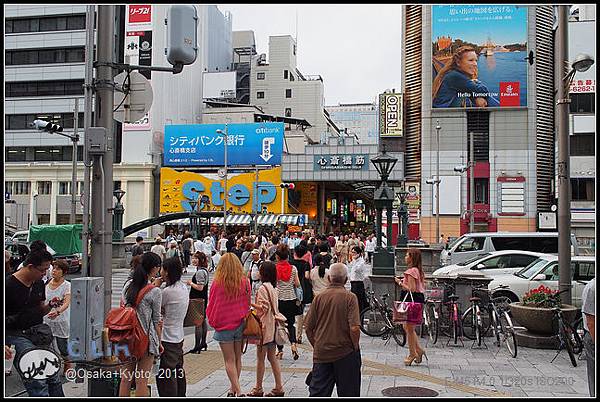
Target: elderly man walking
x: 333, y: 329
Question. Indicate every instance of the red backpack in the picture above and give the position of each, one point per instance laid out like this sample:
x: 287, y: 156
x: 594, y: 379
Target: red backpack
x: 124, y: 327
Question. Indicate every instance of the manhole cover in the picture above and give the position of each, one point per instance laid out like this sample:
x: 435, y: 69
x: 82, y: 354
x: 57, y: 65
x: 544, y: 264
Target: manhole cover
x: 409, y: 391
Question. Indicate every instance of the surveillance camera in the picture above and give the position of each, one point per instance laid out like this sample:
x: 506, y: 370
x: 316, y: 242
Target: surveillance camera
x: 460, y: 168
x: 41, y: 124
x: 430, y: 181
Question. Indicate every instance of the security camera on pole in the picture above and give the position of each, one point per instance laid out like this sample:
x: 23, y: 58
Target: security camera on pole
x: 284, y: 186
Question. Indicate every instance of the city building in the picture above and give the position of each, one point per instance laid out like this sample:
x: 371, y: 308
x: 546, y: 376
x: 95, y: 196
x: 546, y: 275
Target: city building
x: 582, y: 163
x: 360, y: 119
x: 513, y: 143
x: 44, y: 74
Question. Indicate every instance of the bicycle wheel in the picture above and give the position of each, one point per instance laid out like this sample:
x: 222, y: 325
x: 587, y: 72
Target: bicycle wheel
x: 578, y: 333
x: 478, y: 326
x: 469, y: 324
x: 508, y: 333
x: 372, y: 322
x: 398, y: 334
x: 566, y: 333
x: 432, y: 327
x: 494, y: 325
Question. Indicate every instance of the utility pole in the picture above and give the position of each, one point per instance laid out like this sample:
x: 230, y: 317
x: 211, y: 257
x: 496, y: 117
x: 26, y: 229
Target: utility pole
x: 225, y: 184
x: 87, y: 123
x: 75, y: 139
x: 437, y: 183
x: 472, y: 183
x: 103, y: 166
x: 256, y: 206
x: 564, y: 196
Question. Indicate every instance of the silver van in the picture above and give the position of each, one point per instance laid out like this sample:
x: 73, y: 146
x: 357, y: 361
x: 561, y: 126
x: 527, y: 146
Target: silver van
x: 473, y: 244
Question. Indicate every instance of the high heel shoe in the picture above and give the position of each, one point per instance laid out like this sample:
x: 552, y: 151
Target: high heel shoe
x: 408, y: 361
x: 204, y: 346
x: 420, y: 355
x: 279, y: 355
x: 294, y: 351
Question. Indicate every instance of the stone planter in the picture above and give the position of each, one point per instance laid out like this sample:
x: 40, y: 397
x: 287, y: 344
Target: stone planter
x: 540, y: 320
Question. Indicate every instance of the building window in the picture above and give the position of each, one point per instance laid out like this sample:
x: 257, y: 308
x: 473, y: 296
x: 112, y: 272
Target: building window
x: 45, y: 56
x: 44, y: 187
x: 64, y: 188
x: 582, y: 144
x: 260, y: 95
x: 44, y: 88
x: 42, y: 24
x: 58, y: 153
x: 478, y: 122
x: 582, y: 189
x: 260, y: 76
x: 288, y: 93
x: 21, y: 121
x: 583, y: 103
x: 481, y: 191
x: 285, y: 74
x: 288, y: 112
x: 292, y: 77
x: 18, y: 187
x: 15, y: 154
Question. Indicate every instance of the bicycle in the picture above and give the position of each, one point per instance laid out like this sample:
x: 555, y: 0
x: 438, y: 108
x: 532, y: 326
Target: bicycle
x: 430, y: 323
x: 451, y: 324
x: 377, y: 320
x: 578, y: 335
x: 498, y: 319
x: 567, y: 336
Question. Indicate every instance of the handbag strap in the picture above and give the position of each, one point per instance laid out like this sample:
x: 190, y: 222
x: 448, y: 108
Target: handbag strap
x: 411, y: 297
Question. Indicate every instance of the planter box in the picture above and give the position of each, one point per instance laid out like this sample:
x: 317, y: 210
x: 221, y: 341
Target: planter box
x: 540, y: 320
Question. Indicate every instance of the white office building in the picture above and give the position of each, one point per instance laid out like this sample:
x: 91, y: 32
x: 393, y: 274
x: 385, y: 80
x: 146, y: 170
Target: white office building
x: 360, y: 119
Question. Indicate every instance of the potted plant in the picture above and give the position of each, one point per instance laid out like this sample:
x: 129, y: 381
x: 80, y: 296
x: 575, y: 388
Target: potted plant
x: 535, y: 311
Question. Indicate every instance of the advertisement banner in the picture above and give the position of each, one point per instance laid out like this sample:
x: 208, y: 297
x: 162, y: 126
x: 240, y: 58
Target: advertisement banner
x: 390, y: 115
x: 413, y: 199
x: 219, y: 85
x: 200, y: 145
x: 139, y: 15
x: 178, y: 188
x: 479, y: 56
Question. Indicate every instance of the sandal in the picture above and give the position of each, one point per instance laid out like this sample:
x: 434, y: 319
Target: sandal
x: 294, y: 352
x: 275, y: 392
x: 256, y: 392
x: 279, y: 355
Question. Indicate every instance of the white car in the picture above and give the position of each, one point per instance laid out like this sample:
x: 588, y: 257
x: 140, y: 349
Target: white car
x: 491, y: 264
x: 544, y: 271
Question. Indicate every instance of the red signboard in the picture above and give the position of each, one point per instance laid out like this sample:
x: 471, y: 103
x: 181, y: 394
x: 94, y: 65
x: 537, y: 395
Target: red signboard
x: 510, y: 94
x: 140, y: 13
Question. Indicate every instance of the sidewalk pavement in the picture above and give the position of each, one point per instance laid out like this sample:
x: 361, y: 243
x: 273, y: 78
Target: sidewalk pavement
x: 450, y: 371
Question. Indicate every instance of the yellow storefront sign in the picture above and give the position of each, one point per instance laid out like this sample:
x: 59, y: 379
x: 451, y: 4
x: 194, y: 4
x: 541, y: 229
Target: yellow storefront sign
x: 178, y: 188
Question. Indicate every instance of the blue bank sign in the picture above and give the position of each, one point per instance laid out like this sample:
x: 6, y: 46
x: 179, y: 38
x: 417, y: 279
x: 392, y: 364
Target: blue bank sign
x: 201, y: 145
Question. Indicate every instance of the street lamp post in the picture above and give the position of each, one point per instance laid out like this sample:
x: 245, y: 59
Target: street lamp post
x: 118, y: 211
x: 471, y: 167
x: 383, y: 258
x: 193, y: 225
x: 225, y: 135
x: 403, y: 220
x: 437, y: 183
x: 582, y: 63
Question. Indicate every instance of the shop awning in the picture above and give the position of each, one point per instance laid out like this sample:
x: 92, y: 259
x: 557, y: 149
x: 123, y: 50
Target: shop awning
x: 269, y: 219
x: 296, y: 219
x: 232, y: 220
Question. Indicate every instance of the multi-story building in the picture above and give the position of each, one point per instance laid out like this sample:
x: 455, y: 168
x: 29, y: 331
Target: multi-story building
x: 582, y: 24
x: 513, y: 146
x: 44, y: 74
x: 361, y: 119
x: 280, y: 89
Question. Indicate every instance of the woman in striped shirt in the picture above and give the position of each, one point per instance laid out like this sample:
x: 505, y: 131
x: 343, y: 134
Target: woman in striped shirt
x: 287, y: 281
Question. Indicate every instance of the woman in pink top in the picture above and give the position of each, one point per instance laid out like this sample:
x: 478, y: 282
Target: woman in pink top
x: 413, y: 281
x: 228, y: 304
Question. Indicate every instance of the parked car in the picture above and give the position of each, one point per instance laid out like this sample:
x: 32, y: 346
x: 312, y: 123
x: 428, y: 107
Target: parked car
x: 544, y: 271
x: 20, y: 236
x: 18, y: 252
x: 473, y: 244
x: 491, y: 264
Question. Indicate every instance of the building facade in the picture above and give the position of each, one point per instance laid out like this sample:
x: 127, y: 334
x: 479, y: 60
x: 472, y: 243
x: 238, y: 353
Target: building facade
x: 361, y: 119
x: 45, y: 64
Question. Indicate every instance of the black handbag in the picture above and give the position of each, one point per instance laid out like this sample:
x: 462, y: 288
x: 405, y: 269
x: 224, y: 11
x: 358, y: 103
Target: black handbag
x: 39, y: 335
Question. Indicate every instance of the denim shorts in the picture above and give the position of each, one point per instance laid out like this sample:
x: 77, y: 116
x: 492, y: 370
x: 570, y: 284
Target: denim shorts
x: 227, y: 336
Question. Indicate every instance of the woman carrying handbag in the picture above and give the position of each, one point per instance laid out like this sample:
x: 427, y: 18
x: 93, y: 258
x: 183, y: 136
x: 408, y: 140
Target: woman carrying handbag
x: 413, y: 285
x: 266, y: 309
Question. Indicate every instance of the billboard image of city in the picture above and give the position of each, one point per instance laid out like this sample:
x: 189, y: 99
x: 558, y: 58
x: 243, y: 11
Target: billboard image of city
x: 479, y: 56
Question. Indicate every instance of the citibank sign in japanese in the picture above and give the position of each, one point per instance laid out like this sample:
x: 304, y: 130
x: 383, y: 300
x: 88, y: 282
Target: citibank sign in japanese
x: 341, y: 162
x: 201, y: 144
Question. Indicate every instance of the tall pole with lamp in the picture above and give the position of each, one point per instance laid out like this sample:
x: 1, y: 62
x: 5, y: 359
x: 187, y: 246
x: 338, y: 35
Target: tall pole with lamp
x: 225, y: 135
x: 582, y: 63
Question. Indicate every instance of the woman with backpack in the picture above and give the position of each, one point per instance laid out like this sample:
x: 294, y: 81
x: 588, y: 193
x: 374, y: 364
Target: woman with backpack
x: 228, y: 304
x: 199, y: 290
x: 266, y: 308
x: 148, y: 312
x: 171, y: 379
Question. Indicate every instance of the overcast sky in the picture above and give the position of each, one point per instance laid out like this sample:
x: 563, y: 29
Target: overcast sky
x: 354, y: 47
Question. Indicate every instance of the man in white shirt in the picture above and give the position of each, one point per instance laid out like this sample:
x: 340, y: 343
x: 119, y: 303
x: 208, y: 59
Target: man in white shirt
x: 159, y: 249
x: 370, y: 248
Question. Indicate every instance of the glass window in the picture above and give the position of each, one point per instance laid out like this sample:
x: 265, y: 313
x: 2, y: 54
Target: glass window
x: 15, y: 154
x: 260, y: 95
x: 46, y: 56
x: 481, y: 191
x: 61, y: 23
x: 21, y: 187
x: 495, y: 262
x: 582, y: 144
x: 583, y: 103
x: 520, y: 260
x: 582, y: 189
x: 585, y: 271
x: 34, y: 24
x: 471, y: 244
x: 76, y: 22
x: 288, y: 93
x: 260, y: 76
x: 8, y: 26
x: 64, y: 188
x: 44, y: 187
x: 511, y: 243
x: 75, y: 55
x: 48, y: 24
x: 288, y: 112
x: 551, y: 272
x: 17, y: 122
x: 285, y: 74
x: 292, y: 77
x: 21, y: 25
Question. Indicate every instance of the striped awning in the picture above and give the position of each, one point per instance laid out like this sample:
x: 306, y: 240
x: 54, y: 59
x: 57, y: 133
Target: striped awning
x: 269, y: 219
x: 295, y: 219
x: 232, y: 220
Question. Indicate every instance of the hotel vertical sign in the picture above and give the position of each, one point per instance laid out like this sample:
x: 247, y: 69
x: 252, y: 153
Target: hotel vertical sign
x: 391, y: 115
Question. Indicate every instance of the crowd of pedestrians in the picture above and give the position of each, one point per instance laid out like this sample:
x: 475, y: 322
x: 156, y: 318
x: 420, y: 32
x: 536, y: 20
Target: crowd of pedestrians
x: 316, y: 282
